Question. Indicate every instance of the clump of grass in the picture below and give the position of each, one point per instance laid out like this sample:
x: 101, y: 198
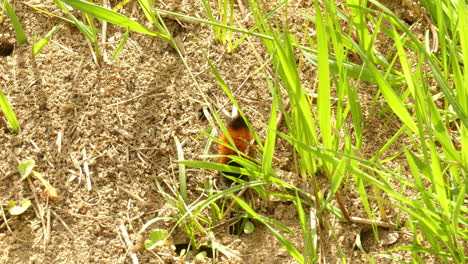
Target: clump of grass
x: 91, y: 11
x: 226, y: 13
x: 86, y: 27
x: 327, y: 136
x: 320, y: 134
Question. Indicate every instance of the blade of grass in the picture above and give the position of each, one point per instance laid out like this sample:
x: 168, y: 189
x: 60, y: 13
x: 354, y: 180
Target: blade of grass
x: 9, y: 114
x: 301, y: 123
x: 323, y: 100
x: 111, y: 17
x: 120, y: 5
x: 182, y: 172
x: 48, y: 13
x: 153, y: 17
x: 462, y: 89
x: 19, y: 32
x: 80, y: 25
x: 121, y: 44
x: 360, y: 72
x: 270, y: 139
x: 38, y: 46
x: 309, y: 233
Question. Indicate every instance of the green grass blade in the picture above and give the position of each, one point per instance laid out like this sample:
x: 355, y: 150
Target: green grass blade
x: 48, y: 13
x: 324, y: 94
x: 111, y: 17
x: 358, y: 19
x: 154, y: 18
x: 209, y: 14
x: 121, y: 44
x: 235, y: 29
x: 80, y: 25
x: 9, y: 114
x: 309, y: 232
x: 19, y: 32
x: 269, y: 148
x: 182, y: 172
x: 2, y: 14
x: 38, y: 46
x: 462, y: 90
x: 360, y: 72
x: 224, y: 17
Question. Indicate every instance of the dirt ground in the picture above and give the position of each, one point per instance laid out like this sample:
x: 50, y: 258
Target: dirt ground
x: 119, y: 120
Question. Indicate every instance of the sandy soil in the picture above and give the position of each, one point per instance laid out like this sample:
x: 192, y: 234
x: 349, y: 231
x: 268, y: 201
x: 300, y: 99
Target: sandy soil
x: 120, y: 119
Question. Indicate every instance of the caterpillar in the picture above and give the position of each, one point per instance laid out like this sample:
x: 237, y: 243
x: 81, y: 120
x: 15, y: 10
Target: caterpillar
x: 241, y: 137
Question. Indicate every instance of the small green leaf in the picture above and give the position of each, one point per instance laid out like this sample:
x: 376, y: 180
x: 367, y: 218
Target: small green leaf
x: 26, y: 168
x: 200, y: 257
x: 149, y: 244
x: 249, y: 227
x: 19, y: 209
x: 159, y: 234
x: 157, y: 238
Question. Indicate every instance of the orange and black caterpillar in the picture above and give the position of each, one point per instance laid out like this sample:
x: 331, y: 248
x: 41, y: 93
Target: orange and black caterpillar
x: 241, y: 136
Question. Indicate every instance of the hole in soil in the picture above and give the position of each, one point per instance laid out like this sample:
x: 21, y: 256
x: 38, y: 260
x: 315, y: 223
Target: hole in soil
x: 240, y: 224
x: 188, y: 248
x: 6, y: 49
x: 366, y: 238
x: 409, y: 21
x: 201, y: 115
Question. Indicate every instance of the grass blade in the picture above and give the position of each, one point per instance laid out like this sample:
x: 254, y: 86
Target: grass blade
x: 182, y: 174
x: 323, y: 100
x: 121, y: 44
x: 38, y: 46
x: 270, y: 140
x: 9, y: 114
x: 111, y: 17
x: 19, y: 32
